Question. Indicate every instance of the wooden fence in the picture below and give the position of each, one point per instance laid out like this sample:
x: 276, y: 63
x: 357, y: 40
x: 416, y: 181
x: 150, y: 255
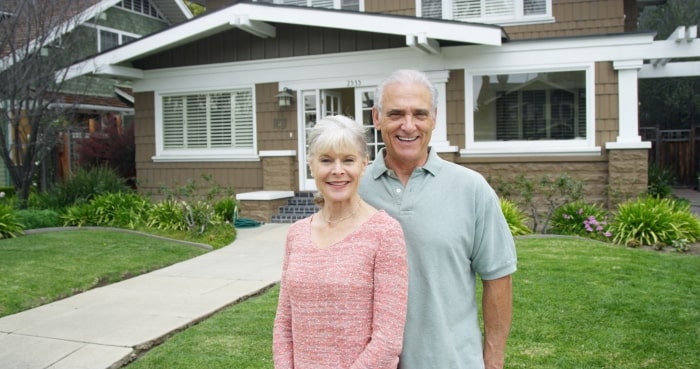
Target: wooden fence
x: 677, y: 150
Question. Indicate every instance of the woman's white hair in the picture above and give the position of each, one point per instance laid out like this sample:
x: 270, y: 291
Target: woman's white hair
x: 336, y: 132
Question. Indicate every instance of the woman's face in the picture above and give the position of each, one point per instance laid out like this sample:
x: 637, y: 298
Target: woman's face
x: 337, y: 173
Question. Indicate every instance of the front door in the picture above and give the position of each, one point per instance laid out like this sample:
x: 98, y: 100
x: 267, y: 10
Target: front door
x: 315, y: 104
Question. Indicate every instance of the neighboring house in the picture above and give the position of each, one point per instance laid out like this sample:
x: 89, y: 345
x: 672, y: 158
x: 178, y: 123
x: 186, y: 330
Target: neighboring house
x: 531, y: 87
x: 102, y: 25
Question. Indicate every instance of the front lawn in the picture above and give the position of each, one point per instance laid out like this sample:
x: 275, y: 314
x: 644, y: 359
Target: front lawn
x: 40, y: 268
x: 577, y: 304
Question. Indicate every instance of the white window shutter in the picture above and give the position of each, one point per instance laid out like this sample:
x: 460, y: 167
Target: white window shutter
x: 243, y: 119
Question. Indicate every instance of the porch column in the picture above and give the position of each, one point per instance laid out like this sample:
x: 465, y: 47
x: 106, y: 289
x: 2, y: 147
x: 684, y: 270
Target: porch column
x: 628, y: 126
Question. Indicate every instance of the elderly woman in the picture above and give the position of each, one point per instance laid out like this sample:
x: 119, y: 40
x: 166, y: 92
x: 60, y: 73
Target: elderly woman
x: 343, y: 293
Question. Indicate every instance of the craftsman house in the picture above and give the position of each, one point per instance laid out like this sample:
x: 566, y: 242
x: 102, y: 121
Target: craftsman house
x: 527, y: 87
x: 92, y: 26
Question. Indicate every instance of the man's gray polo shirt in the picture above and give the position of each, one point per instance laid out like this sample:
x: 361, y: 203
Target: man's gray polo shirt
x: 454, y: 228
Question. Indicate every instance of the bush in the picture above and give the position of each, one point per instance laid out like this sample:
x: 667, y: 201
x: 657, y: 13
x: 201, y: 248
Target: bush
x: 35, y: 218
x: 660, y: 181
x: 121, y: 209
x: 9, y: 226
x: 515, y: 217
x: 655, y: 221
x: 167, y: 215
x: 225, y: 207
x: 581, y: 219
x: 197, y: 204
x: 79, y: 189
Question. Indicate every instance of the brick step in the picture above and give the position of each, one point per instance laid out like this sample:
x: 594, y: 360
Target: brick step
x: 298, y: 207
x: 287, y: 218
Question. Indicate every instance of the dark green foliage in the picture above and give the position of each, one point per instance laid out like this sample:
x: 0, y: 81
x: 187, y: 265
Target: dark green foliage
x: 9, y: 226
x: 581, y: 219
x: 9, y: 191
x: 34, y: 218
x: 79, y: 189
x: 225, y: 208
x: 660, y: 181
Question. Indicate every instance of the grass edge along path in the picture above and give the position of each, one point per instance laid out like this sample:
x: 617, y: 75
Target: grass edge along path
x: 577, y: 304
x: 55, y: 265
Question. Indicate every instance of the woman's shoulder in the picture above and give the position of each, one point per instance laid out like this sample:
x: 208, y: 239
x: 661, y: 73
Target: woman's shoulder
x: 382, y: 218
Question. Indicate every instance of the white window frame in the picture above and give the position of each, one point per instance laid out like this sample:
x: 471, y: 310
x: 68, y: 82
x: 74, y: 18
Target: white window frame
x: 119, y: 33
x: 202, y: 154
x: 518, y: 18
x: 311, y: 3
x: 148, y: 3
x: 521, y: 148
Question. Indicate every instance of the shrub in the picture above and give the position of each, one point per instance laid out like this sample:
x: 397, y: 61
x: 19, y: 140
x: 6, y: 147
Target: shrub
x: 110, y: 148
x: 121, y: 209
x: 9, y: 226
x: 654, y: 221
x: 197, y: 205
x: 581, y: 219
x: 517, y: 220
x: 167, y: 215
x: 552, y: 192
x: 83, y: 186
x: 225, y: 207
x: 36, y: 218
x: 660, y: 181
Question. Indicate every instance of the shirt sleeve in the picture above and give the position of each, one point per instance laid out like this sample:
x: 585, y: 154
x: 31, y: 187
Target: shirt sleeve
x: 282, y: 343
x: 390, y: 300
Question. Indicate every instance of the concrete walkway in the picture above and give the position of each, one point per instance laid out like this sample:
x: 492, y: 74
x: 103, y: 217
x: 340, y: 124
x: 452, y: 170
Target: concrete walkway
x: 102, y: 328
x: 691, y: 195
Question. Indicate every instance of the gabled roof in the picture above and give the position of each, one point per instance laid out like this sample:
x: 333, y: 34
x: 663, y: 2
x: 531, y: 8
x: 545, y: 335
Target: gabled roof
x: 259, y: 18
x: 73, y: 13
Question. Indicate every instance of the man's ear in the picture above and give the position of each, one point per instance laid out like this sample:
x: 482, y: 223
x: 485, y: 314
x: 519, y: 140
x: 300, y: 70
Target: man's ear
x: 375, y: 118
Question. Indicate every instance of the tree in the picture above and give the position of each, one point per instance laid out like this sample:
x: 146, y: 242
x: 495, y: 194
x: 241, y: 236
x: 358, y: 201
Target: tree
x: 36, y: 43
x: 670, y: 103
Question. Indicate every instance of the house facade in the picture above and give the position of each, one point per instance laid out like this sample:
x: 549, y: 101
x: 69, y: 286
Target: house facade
x: 92, y: 26
x: 527, y: 87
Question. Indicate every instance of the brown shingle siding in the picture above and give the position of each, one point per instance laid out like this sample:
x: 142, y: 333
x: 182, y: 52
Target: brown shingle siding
x: 575, y: 18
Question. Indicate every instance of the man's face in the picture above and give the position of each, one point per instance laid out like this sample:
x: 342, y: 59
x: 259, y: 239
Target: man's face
x: 406, y: 123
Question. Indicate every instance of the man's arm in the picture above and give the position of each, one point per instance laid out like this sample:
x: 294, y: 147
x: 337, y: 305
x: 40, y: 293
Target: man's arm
x: 497, y: 305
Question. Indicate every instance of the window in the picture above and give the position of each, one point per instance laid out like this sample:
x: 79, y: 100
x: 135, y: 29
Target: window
x: 109, y: 39
x: 486, y: 11
x: 356, y: 5
x: 532, y: 110
x: 208, y: 122
x: 141, y: 6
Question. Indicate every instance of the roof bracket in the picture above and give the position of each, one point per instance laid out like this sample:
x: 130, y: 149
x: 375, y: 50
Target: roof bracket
x: 422, y: 43
x: 257, y: 28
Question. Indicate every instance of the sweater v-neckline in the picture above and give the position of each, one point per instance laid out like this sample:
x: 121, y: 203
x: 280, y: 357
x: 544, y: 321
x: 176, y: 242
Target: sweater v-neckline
x: 338, y: 240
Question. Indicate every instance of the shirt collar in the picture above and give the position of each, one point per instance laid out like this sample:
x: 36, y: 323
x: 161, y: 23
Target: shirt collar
x: 432, y: 165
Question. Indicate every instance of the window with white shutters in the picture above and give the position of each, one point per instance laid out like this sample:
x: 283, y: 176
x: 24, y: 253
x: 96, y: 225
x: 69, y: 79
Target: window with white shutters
x: 486, y: 11
x: 205, y: 121
x: 355, y: 5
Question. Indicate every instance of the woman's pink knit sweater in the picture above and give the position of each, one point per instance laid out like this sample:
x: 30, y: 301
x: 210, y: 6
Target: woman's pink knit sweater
x: 343, y: 306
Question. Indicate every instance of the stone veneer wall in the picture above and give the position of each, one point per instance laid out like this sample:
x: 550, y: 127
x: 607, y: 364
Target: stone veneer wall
x: 260, y: 210
x: 628, y: 174
x: 279, y: 173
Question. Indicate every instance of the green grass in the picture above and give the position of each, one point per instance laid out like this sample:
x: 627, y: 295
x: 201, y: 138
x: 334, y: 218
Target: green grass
x: 239, y: 336
x: 577, y: 304
x: 40, y: 268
